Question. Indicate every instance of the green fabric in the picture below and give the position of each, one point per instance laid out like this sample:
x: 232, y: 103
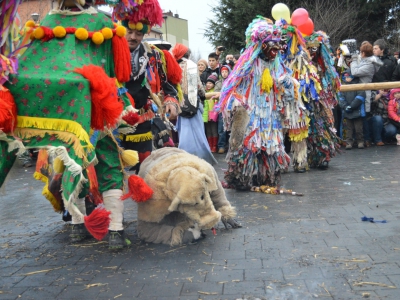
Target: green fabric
x: 108, y: 170
x: 6, y: 161
x: 46, y: 87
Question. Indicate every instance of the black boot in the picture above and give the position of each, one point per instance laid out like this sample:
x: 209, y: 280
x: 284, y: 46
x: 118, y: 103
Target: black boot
x: 118, y: 240
x: 79, y: 233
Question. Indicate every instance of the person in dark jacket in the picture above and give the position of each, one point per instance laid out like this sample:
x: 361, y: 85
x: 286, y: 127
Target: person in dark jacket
x: 213, y: 67
x: 352, y: 104
x: 385, y: 72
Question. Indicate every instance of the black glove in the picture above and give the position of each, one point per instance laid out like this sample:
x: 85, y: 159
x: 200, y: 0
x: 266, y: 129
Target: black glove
x: 232, y: 222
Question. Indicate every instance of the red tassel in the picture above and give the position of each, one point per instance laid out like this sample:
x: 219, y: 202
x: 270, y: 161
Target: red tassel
x: 48, y: 34
x: 97, y: 223
x: 106, y: 107
x: 139, y: 191
x: 131, y: 99
x: 131, y: 118
x: 8, y: 111
x: 149, y: 10
x: 94, y: 193
x: 174, y: 71
x: 122, y: 58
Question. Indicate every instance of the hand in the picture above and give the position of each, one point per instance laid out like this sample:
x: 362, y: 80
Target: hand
x: 170, y: 109
x: 232, y: 222
x: 348, y: 109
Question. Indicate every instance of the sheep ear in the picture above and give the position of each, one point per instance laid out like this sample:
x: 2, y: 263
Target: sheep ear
x: 174, y: 204
x: 210, y: 181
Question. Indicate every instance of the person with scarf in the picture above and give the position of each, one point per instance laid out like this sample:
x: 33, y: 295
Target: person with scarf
x: 191, y: 133
x: 251, y: 101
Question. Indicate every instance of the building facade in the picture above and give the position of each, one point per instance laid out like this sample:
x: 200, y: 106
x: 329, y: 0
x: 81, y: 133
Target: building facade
x: 174, y: 29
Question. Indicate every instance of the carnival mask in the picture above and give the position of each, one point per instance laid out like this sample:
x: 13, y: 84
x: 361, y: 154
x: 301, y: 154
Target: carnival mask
x: 313, y: 52
x: 271, y: 49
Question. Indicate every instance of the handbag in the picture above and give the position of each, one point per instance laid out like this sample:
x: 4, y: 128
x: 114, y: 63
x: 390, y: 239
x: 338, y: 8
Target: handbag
x: 213, y: 116
x: 187, y: 109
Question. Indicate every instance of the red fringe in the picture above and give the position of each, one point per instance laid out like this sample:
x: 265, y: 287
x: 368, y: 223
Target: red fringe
x: 97, y: 223
x: 70, y: 30
x: 106, y: 107
x: 122, y: 58
x: 8, y: 111
x: 139, y: 191
x: 131, y: 99
x: 150, y: 10
x: 131, y: 118
x: 94, y: 193
x: 174, y: 71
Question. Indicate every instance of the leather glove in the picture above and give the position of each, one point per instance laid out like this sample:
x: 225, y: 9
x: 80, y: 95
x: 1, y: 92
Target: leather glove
x: 232, y: 222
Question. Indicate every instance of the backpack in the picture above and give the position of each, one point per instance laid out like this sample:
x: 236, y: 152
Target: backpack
x: 189, y: 110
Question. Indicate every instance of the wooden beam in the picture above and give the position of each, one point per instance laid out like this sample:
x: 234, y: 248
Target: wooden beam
x: 370, y: 86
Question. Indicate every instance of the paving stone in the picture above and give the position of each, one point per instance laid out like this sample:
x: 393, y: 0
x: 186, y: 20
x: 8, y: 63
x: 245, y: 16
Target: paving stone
x: 163, y: 289
x: 45, y: 292
x: 273, y: 274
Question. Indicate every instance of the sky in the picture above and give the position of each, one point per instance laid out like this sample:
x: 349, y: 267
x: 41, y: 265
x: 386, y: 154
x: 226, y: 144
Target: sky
x: 196, y: 12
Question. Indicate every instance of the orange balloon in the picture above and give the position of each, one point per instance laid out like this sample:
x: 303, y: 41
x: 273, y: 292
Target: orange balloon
x: 307, y: 28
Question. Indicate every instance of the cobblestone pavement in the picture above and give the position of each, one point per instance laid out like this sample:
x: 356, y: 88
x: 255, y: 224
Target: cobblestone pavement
x: 290, y: 247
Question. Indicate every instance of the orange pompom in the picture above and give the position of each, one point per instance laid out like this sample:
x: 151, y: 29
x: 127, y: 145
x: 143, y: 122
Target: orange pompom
x: 59, y: 32
x: 30, y: 23
x: 98, y: 38
x: 121, y: 31
x: 107, y: 33
x: 38, y: 33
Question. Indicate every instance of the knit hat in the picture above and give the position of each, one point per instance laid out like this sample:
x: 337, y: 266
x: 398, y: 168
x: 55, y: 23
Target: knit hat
x: 179, y: 51
x: 226, y: 67
x: 212, y: 78
x: 203, y: 61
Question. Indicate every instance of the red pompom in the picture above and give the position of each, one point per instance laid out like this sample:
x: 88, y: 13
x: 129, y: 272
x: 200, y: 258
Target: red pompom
x: 139, y: 191
x: 131, y: 118
x: 8, y: 111
x: 97, y: 223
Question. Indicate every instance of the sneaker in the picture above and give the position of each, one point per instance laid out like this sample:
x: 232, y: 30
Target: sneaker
x: 380, y: 144
x: 79, y: 233
x: 221, y: 150
x: 349, y: 147
x: 118, y: 240
x: 367, y: 144
x: 398, y: 139
x: 360, y: 146
x: 324, y: 165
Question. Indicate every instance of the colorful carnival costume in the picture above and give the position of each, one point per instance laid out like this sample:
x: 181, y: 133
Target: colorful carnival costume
x: 255, y: 94
x: 68, y: 87
x: 296, y: 118
x: 322, y: 142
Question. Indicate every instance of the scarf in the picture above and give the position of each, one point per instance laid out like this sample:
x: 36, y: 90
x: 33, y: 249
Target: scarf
x: 190, y: 80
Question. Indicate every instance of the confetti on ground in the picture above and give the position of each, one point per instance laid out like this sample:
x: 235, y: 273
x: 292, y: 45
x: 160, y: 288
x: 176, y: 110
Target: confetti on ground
x: 207, y: 293
x: 374, y: 283
x: 41, y: 271
x: 88, y: 286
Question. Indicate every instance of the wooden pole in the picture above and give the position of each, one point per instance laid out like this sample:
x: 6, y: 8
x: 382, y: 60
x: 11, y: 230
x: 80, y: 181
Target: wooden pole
x: 370, y: 86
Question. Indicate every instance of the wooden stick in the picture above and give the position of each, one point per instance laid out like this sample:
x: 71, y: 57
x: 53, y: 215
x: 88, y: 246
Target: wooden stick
x: 369, y: 86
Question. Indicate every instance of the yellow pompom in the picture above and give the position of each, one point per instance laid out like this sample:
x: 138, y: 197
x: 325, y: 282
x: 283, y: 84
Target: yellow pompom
x: 30, y: 23
x: 107, y: 33
x: 266, y: 81
x: 38, y: 33
x: 59, y: 31
x: 81, y: 34
x: 58, y: 165
x: 98, y: 38
x: 132, y: 26
x: 121, y: 31
x: 130, y: 158
x: 139, y: 26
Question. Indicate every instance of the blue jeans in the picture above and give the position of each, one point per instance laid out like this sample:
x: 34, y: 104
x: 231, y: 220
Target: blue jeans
x: 378, y: 130
x: 366, y: 129
x: 221, y: 132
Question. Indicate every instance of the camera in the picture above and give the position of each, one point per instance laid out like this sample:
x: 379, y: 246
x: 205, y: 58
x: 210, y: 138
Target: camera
x: 221, y: 48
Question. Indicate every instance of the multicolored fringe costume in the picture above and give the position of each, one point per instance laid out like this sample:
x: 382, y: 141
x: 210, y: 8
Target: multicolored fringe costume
x: 262, y: 87
x: 322, y: 142
x: 296, y: 115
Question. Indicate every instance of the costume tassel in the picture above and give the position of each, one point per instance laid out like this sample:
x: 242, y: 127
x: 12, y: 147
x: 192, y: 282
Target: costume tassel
x: 139, y: 191
x: 131, y: 118
x: 174, y: 71
x: 94, y: 194
x: 266, y: 81
x: 122, y: 58
x: 130, y: 158
x: 106, y: 108
x: 8, y: 111
x: 97, y: 223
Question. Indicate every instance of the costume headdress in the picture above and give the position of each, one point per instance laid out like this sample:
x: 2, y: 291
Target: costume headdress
x: 321, y: 39
x: 139, y: 15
